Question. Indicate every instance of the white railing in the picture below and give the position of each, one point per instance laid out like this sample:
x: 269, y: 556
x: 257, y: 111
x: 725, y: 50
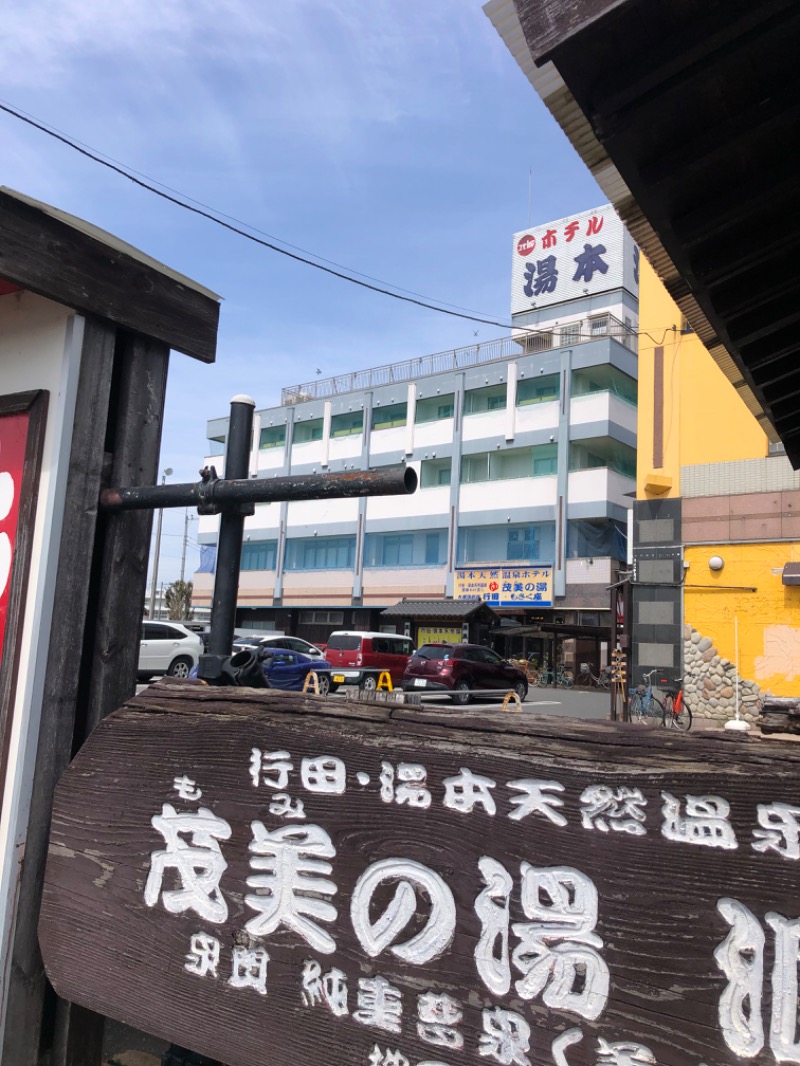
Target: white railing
x: 567, y: 335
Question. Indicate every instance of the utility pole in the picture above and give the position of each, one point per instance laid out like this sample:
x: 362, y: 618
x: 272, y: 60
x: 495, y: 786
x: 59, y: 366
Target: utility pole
x: 154, y: 582
x: 187, y: 518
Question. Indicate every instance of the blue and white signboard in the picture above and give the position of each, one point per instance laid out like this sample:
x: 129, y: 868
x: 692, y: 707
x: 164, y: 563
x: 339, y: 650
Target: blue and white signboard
x: 581, y: 255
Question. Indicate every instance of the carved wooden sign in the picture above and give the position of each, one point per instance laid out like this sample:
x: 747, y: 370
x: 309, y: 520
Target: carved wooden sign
x: 271, y: 879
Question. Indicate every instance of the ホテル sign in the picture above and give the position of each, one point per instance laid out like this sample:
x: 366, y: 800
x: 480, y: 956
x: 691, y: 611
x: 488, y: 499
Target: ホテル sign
x: 505, y: 586
x: 270, y: 879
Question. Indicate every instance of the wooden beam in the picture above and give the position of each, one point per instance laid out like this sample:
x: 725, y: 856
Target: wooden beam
x: 47, y: 255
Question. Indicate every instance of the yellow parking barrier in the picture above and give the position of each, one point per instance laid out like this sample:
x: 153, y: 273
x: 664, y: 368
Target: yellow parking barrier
x: 385, y: 682
x: 512, y: 697
x: 311, y: 676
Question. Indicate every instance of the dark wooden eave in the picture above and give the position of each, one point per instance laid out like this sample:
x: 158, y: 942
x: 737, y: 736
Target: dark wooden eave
x: 76, y: 264
x: 688, y: 115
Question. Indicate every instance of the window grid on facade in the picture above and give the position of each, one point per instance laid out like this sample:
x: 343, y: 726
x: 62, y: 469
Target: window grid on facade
x: 434, y: 472
x: 259, y: 554
x: 537, y: 390
x: 503, y: 464
x: 604, y: 378
x: 320, y: 553
x: 486, y: 398
x: 272, y: 437
x: 348, y: 424
x: 529, y: 543
x: 307, y: 431
x: 434, y: 408
x: 599, y: 452
x: 413, y: 548
x: 395, y: 414
x: 318, y: 617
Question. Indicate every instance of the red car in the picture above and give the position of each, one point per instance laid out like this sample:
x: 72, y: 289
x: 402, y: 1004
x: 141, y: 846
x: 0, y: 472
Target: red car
x: 462, y: 669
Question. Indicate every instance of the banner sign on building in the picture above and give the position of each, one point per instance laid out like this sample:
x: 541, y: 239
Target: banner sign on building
x: 265, y: 878
x: 505, y: 586
x: 581, y: 255
x: 439, y: 635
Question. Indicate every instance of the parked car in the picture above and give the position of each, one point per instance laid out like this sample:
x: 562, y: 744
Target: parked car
x: 167, y: 648
x: 462, y: 669
x: 361, y: 658
x: 255, y: 643
x: 288, y: 670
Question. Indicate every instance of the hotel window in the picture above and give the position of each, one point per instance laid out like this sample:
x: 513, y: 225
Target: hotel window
x: 489, y: 398
x: 396, y: 414
x: 259, y: 554
x: 307, y: 431
x: 537, y: 390
x: 434, y: 473
x: 434, y: 408
x: 347, y: 425
x: 273, y: 437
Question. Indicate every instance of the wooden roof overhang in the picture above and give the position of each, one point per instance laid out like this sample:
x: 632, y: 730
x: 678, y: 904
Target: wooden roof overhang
x: 688, y: 116
x: 68, y: 260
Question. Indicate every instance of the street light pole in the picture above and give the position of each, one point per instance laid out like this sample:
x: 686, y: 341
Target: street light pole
x: 154, y: 584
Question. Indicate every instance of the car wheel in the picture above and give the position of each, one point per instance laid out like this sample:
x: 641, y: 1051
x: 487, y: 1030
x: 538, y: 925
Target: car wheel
x: 521, y: 690
x: 324, y: 683
x: 369, y: 683
x: 180, y: 667
x: 462, y: 694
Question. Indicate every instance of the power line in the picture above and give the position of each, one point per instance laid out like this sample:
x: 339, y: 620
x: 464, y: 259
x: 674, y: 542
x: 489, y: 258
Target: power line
x: 212, y: 216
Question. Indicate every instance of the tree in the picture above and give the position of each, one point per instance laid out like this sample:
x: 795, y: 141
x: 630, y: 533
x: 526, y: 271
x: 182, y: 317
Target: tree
x: 178, y: 599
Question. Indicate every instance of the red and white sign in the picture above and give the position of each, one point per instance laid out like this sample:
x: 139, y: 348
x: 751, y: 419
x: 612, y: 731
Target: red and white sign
x: 13, y: 442
x: 526, y: 244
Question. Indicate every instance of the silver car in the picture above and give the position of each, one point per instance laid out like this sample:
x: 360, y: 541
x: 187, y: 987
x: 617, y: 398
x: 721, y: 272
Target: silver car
x: 168, y: 648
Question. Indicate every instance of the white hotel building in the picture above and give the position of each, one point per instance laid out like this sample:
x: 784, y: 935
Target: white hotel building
x: 524, y: 448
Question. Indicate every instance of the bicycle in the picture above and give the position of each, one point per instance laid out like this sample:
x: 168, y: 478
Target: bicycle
x: 586, y: 677
x: 645, y: 708
x: 677, y: 712
x: 563, y: 678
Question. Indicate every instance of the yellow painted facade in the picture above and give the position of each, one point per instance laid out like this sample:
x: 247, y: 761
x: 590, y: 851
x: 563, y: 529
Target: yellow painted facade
x: 768, y: 618
x: 704, y: 421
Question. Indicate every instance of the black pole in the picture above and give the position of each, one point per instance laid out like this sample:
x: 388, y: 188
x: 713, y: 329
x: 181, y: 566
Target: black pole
x: 214, y: 494
x: 229, y: 545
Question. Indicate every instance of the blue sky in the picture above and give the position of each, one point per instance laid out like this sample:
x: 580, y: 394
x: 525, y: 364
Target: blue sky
x: 395, y: 137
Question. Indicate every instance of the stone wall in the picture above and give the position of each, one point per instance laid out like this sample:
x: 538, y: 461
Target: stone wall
x: 709, y: 682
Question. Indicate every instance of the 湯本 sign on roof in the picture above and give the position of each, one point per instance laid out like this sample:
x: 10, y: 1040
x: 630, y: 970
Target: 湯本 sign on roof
x: 268, y: 878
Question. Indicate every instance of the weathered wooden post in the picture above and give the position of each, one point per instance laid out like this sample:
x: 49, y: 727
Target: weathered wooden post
x: 86, y: 327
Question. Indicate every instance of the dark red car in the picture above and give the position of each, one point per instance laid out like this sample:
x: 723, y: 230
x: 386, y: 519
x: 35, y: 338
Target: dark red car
x: 462, y: 669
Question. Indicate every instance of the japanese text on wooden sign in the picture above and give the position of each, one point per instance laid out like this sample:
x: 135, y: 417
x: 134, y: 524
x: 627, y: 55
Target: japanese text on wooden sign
x: 355, y: 894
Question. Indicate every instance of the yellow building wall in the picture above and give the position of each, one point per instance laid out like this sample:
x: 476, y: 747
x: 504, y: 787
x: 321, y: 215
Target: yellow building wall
x: 768, y: 631
x: 704, y: 420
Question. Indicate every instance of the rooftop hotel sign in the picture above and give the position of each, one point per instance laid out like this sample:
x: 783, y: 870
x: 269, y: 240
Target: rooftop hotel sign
x: 581, y: 255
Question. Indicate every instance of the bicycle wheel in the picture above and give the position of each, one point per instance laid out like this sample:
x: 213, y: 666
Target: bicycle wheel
x: 653, y: 710
x: 680, y: 719
x: 636, y: 713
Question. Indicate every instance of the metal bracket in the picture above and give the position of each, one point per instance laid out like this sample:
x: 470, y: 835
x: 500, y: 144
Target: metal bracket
x: 206, y: 491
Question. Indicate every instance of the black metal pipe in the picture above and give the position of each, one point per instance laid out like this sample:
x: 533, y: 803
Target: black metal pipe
x: 233, y: 490
x: 231, y: 531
